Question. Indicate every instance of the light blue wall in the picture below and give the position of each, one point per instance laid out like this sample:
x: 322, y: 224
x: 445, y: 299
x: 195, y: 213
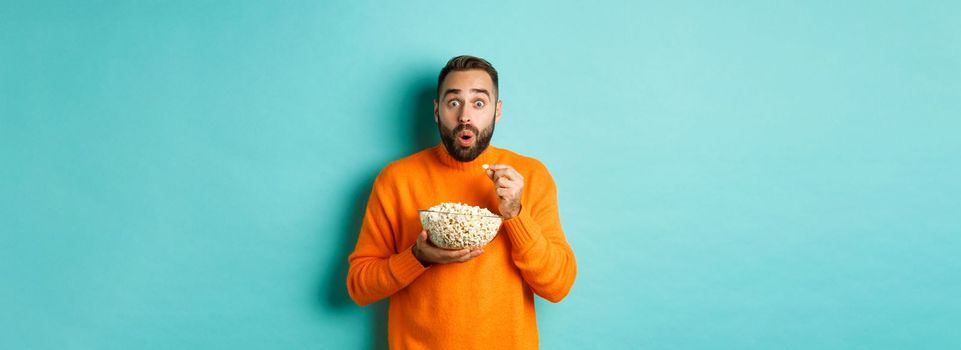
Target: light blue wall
x: 191, y: 174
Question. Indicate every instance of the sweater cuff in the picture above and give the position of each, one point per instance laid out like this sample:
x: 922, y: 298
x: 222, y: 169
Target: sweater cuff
x: 405, y: 267
x: 522, y: 231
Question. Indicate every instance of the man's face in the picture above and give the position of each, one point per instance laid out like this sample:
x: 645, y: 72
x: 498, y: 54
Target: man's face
x: 466, y: 112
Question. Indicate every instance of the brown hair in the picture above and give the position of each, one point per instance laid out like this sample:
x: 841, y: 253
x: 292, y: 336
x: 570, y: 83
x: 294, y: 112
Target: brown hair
x: 467, y: 62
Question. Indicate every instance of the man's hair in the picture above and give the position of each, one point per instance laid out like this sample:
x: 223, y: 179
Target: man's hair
x: 467, y: 62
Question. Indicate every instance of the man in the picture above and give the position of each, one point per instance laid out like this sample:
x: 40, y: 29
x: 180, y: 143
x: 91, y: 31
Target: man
x: 469, y: 298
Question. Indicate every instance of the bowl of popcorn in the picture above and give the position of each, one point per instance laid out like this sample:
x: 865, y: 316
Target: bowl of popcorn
x: 459, y: 226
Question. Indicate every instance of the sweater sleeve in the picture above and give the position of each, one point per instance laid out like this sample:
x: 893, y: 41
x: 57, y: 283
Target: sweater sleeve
x: 539, y: 249
x: 377, y: 268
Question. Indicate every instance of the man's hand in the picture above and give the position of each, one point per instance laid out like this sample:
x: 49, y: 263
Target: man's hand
x: 428, y: 254
x: 508, y: 184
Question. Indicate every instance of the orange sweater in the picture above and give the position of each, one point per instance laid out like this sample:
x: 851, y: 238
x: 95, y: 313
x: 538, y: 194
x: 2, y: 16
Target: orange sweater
x: 485, y: 303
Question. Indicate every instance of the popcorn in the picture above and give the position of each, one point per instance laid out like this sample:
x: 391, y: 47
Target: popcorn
x: 458, y: 226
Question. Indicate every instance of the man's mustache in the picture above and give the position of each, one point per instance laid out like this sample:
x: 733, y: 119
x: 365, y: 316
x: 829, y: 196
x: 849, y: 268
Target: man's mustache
x: 463, y: 127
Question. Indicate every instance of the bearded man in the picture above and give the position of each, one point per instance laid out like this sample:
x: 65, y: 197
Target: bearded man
x: 480, y: 298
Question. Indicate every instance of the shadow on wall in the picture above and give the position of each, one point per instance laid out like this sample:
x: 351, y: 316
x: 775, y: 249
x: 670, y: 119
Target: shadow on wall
x: 424, y: 130
x: 418, y: 111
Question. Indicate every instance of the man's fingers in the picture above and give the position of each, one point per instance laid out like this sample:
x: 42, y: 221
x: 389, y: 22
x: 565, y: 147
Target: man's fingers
x: 452, y: 254
x: 497, y: 174
x: 470, y: 255
x: 505, y: 169
x: 503, y: 182
x: 496, y: 171
x: 512, y: 174
x: 501, y: 174
x: 460, y: 255
x: 444, y: 256
x: 517, y: 175
x: 424, y: 241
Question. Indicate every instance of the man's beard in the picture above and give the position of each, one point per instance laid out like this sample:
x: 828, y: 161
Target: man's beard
x: 465, y: 154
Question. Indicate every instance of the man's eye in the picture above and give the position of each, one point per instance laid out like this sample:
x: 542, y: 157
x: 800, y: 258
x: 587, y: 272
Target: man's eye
x: 454, y: 103
x: 479, y: 104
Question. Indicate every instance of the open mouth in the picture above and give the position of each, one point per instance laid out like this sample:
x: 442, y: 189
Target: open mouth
x: 465, y: 138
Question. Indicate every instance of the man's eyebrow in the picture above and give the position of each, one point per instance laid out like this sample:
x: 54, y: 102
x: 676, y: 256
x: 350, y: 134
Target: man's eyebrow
x: 457, y: 91
x: 451, y: 91
x: 484, y: 91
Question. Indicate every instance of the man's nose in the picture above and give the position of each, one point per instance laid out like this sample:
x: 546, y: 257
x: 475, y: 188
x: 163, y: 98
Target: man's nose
x: 465, y: 116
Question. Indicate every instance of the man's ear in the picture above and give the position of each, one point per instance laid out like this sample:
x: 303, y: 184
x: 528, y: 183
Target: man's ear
x: 436, y: 114
x: 497, y: 111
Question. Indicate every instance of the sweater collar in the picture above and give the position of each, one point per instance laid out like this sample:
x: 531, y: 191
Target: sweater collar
x: 486, y: 157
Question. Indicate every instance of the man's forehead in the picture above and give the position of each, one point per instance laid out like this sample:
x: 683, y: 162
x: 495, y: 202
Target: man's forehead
x: 468, y: 79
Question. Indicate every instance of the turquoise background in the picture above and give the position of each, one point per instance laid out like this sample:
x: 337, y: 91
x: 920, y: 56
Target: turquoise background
x: 750, y: 175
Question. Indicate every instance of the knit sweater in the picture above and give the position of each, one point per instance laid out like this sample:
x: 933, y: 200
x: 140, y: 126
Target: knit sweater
x: 484, y: 303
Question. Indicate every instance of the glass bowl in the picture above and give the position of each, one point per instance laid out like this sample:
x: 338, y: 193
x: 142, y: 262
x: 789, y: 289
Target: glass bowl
x: 458, y: 231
